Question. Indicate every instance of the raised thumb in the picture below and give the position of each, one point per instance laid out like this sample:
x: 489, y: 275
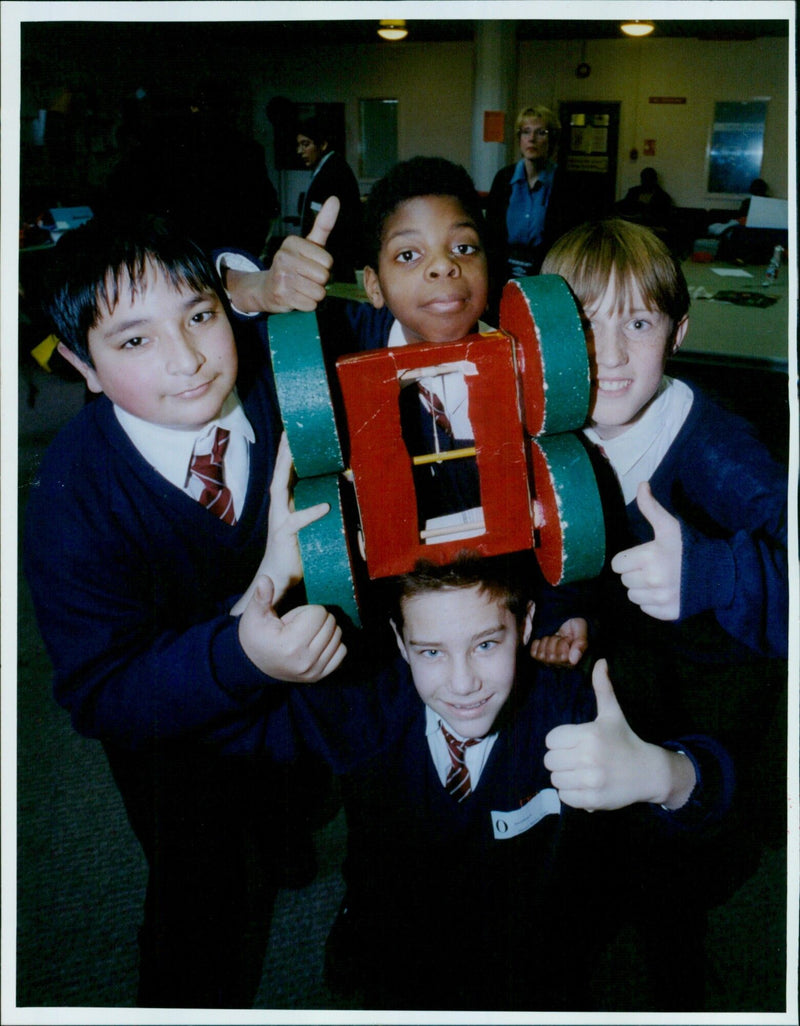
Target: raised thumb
x: 324, y: 221
x: 650, y: 508
x: 263, y: 595
x: 607, y: 703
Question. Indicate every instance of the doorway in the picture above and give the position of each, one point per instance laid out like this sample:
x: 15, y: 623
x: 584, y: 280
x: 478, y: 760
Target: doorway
x: 588, y: 155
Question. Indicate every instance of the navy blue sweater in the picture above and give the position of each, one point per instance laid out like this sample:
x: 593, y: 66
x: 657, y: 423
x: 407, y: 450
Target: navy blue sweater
x: 730, y: 498
x: 511, y: 888
x: 132, y: 582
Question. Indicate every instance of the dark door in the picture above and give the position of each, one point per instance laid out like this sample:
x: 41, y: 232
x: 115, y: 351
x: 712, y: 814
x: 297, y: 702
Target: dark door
x: 588, y: 155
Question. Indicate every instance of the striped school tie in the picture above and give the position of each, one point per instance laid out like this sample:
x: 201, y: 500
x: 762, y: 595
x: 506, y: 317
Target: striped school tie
x: 434, y: 405
x: 458, y: 784
x: 208, y: 469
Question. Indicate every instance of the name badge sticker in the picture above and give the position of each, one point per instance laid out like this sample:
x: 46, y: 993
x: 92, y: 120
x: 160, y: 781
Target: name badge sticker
x: 506, y: 825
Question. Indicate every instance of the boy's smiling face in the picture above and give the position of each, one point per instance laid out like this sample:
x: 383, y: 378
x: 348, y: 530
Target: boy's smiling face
x: 165, y: 353
x: 628, y: 349
x: 461, y: 645
x: 432, y: 271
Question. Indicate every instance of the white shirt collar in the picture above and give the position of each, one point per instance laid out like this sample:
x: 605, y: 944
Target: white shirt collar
x: 475, y: 756
x: 433, y: 721
x: 169, y: 450
x: 637, y: 452
x: 318, y: 168
x: 397, y: 338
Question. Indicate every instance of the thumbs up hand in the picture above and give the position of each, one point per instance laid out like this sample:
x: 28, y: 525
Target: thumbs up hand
x: 281, y: 561
x: 652, y: 572
x: 302, y: 646
x: 605, y: 765
x: 324, y: 222
x: 298, y: 275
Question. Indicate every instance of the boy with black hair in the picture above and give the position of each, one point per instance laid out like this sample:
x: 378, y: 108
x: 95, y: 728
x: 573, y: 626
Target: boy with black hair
x: 147, y: 524
x: 472, y: 879
x: 331, y: 175
x: 426, y: 269
x: 427, y: 279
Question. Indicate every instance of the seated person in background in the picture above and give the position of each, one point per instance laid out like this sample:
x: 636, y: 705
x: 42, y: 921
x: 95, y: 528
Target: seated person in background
x: 740, y: 244
x: 331, y: 176
x: 473, y: 881
x: 647, y: 203
x: 146, y: 525
x: 758, y: 187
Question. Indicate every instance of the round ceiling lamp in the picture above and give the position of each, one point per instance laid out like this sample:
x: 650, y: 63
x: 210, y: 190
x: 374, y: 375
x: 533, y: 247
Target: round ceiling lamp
x: 637, y: 28
x: 393, y: 29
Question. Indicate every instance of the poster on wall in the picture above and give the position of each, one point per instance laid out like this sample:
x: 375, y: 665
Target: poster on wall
x: 737, y: 146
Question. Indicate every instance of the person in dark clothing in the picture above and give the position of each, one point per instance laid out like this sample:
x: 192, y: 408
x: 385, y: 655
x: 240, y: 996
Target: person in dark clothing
x: 714, y: 498
x: 466, y: 769
x: 426, y: 278
x: 647, y: 203
x: 528, y: 205
x: 692, y: 609
x: 199, y: 171
x: 331, y: 176
x: 142, y: 563
x: 758, y: 187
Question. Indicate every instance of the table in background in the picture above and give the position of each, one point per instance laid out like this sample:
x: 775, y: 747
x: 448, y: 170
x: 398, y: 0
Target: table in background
x: 727, y: 329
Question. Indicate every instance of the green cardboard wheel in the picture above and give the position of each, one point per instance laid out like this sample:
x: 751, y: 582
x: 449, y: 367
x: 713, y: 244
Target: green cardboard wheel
x: 571, y: 540
x: 543, y: 317
x: 324, y: 547
x: 301, y: 381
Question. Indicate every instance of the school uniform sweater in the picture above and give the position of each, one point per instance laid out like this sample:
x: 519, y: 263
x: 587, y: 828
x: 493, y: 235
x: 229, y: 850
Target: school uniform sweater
x: 466, y: 905
x: 133, y: 581
x: 730, y: 497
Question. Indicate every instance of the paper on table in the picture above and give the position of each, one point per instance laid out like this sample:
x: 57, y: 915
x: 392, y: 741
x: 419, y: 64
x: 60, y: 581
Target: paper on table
x: 731, y: 272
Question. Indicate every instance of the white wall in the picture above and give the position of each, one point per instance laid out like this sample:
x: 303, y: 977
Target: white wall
x: 631, y: 71
x: 434, y: 84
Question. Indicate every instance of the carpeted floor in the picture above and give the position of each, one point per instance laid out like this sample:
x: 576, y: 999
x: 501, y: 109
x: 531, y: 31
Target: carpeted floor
x: 81, y: 875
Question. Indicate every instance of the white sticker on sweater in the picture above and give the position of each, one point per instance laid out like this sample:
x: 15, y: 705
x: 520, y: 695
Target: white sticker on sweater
x: 511, y: 824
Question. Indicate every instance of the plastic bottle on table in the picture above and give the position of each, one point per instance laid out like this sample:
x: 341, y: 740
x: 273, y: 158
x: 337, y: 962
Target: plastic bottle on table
x: 771, y: 273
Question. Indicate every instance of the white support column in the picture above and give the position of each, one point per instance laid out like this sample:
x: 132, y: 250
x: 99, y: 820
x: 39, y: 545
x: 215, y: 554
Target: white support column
x: 495, y: 73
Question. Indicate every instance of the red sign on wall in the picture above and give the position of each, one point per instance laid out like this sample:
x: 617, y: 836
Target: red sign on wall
x: 493, y: 125
x: 667, y: 99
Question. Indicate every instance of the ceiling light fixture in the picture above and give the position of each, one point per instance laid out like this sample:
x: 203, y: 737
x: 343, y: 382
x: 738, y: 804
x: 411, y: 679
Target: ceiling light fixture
x: 393, y: 29
x: 637, y: 28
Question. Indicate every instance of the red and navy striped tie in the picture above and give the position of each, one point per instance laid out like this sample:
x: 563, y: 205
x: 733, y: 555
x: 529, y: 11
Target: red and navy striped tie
x: 216, y: 496
x: 434, y: 405
x: 458, y: 783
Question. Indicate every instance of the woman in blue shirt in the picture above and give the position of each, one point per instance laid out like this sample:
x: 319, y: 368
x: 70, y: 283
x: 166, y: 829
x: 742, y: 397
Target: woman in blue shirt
x: 526, y: 209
